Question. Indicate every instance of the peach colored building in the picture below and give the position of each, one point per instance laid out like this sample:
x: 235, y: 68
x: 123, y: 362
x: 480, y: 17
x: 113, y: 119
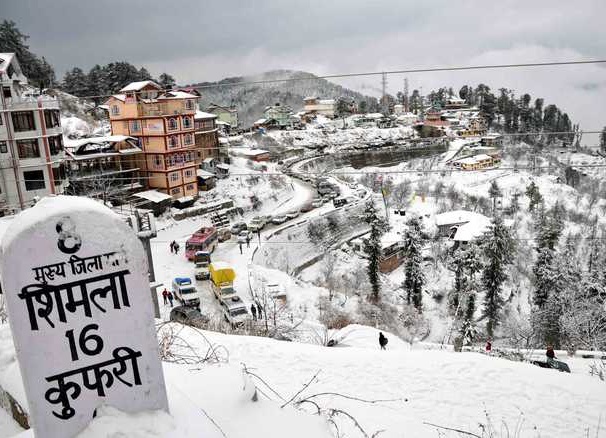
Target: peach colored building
x: 163, y: 121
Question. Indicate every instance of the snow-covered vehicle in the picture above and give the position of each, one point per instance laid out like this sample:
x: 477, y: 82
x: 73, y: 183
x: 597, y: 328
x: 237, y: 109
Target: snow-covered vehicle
x: 257, y: 223
x: 222, y: 278
x: 307, y: 207
x: 324, y: 187
x: 244, y: 236
x: 188, y: 316
x: 292, y: 214
x: 317, y: 203
x: 235, y: 311
x: 202, y: 261
x: 339, y: 202
x: 237, y: 227
x: 554, y: 364
x: 279, y: 219
x: 205, y: 239
x: 185, y: 292
x: 223, y: 234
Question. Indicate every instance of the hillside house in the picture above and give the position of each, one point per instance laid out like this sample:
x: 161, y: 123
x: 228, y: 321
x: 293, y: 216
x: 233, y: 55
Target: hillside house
x: 325, y: 107
x: 462, y: 226
x: 277, y: 116
x: 227, y: 114
x: 206, y: 136
x: 253, y: 154
x: 477, y: 162
x: 454, y: 102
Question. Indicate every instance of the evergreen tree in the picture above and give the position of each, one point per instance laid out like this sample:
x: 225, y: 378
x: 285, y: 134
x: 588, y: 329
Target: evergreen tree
x: 414, y: 239
x: 37, y: 70
x: 467, y: 263
x: 372, y: 248
x: 534, y: 196
x: 75, y: 82
x: 494, y: 192
x: 166, y: 81
x: 468, y: 329
x: 498, y: 247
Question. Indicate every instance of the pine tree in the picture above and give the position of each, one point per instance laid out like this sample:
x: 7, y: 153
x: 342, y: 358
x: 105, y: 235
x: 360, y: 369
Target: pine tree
x: 372, y: 248
x: 498, y: 248
x: 534, y: 196
x: 468, y: 329
x: 414, y: 239
x: 75, y: 82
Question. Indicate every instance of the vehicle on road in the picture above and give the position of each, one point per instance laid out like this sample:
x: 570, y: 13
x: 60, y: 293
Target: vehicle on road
x: 339, y: 202
x: 205, y: 239
x: 279, y: 219
x: 237, y: 227
x: 202, y: 260
x: 185, y: 292
x: 188, y: 316
x: 307, y: 207
x: 257, y: 223
x: 324, y: 187
x: 292, y: 214
x: 317, y: 203
x: 235, y: 311
x: 245, y: 236
x: 332, y: 195
x: 222, y: 278
x: 223, y: 234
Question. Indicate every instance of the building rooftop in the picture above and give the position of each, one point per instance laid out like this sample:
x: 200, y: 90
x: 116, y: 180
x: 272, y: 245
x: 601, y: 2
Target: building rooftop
x: 5, y: 60
x: 177, y: 95
x: 457, y: 217
x: 137, y: 86
x: 204, y: 115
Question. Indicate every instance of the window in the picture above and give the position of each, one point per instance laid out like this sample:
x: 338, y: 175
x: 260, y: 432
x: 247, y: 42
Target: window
x: 190, y: 187
x: 23, y: 121
x: 51, y: 118
x: 187, y: 139
x: 3, y: 147
x: 189, y: 104
x: 157, y: 160
x: 173, y: 141
x: 175, y: 191
x: 172, y: 124
x: 28, y: 148
x: 115, y: 110
x: 34, y: 180
x: 7, y: 92
x: 188, y: 173
x: 174, y: 177
x: 135, y: 126
x: 186, y: 122
x: 188, y: 157
x: 59, y: 174
x: 55, y: 144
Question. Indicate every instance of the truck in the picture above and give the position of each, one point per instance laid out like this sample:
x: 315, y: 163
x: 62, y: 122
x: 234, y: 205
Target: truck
x: 222, y: 280
x: 202, y: 261
x: 185, y: 292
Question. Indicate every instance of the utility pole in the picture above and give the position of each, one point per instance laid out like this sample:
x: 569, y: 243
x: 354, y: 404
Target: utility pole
x: 406, y: 103
x: 384, y: 106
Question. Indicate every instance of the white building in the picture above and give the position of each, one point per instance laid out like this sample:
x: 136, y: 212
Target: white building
x: 326, y: 107
x: 31, y: 141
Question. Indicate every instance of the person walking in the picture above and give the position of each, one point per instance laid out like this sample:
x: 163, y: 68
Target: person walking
x: 253, y: 310
x: 165, y: 296
x: 248, y: 240
x: 172, y: 247
x: 176, y: 248
x: 550, y: 354
x: 488, y: 346
x: 240, y: 245
x: 259, y: 236
x: 259, y: 310
x: 170, y: 298
x: 382, y: 340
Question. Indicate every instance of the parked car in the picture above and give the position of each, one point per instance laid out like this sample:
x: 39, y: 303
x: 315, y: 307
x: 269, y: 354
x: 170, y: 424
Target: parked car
x: 235, y: 311
x: 245, y: 236
x: 317, y: 202
x: 188, y: 316
x: 307, y: 207
x: 223, y: 234
x: 237, y: 227
x: 275, y: 291
x: 332, y: 195
x: 292, y: 214
x: 279, y: 219
x: 257, y: 223
x: 339, y: 202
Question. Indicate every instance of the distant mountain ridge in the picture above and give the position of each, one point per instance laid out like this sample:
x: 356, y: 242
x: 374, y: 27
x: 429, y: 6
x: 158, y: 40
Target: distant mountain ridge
x: 251, y: 99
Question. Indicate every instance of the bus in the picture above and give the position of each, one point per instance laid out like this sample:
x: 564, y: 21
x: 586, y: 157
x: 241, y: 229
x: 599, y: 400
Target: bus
x: 205, y: 239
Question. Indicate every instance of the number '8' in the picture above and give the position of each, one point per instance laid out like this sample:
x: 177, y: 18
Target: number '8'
x: 69, y: 241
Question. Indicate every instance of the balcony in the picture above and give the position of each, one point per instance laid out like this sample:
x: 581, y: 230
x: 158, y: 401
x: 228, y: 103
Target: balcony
x: 18, y: 103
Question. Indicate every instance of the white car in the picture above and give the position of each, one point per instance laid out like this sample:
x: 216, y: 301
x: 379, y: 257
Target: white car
x: 245, y: 236
x: 317, y: 203
x: 279, y: 219
x: 292, y: 214
x: 235, y: 311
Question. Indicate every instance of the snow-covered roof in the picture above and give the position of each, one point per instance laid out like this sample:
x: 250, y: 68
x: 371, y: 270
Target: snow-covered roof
x: 153, y: 196
x: 221, y: 122
x: 177, y: 95
x: 223, y: 140
x: 204, y: 174
x: 472, y: 229
x: 5, y: 60
x: 203, y: 115
x: 458, y: 217
x: 253, y: 152
x: 121, y: 97
x: 136, y: 86
x: 327, y: 101
x: 208, y: 160
x: 260, y: 122
x: 309, y: 98
x: 99, y: 140
x: 223, y: 166
x: 475, y: 159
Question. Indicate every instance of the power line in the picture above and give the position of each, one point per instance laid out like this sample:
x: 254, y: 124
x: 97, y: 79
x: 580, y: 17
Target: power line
x: 374, y: 73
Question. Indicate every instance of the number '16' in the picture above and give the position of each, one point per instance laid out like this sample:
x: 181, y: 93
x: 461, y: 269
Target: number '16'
x: 90, y: 344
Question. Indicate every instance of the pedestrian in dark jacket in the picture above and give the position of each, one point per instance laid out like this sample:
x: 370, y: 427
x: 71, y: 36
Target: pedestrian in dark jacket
x: 172, y: 247
x: 382, y: 340
x: 176, y: 248
x: 248, y: 241
x: 259, y: 311
x: 240, y: 247
x: 165, y: 296
x: 253, y: 310
x: 550, y: 354
x: 170, y: 298
x: 488, y: 346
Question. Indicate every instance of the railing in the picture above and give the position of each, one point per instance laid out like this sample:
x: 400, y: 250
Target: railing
x: 25, y: 103
x: 76, y: 175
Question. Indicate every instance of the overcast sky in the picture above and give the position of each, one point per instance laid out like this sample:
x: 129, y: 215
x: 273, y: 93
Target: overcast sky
x: 197, y: 40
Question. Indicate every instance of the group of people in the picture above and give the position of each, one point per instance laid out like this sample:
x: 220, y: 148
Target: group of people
x: 257, y: 311
x: 174, y: 247
x: 167, y: 296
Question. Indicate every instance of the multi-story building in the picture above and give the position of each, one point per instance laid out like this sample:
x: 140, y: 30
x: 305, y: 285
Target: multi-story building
x: 207, y: 136
x: 326, y: 107
x: 31, y: 141
x: 164, y: 123
x: 225, y: 114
